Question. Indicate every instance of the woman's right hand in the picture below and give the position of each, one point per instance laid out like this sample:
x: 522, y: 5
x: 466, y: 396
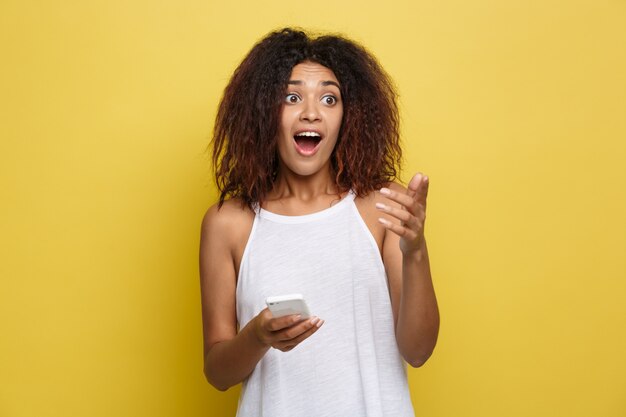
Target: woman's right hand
x: 284, y: 333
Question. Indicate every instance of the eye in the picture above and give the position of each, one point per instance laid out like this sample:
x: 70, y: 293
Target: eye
x: 329, y: 100
x: 292, y: 98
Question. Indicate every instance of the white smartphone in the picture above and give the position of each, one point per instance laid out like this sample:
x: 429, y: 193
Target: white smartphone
x: 284, y: 305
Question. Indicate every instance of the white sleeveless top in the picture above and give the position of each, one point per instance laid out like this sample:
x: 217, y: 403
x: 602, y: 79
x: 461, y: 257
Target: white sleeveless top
x: 351, y: 366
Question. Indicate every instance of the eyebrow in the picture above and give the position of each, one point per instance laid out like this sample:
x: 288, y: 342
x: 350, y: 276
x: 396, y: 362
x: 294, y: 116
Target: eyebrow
x: 323, y: 83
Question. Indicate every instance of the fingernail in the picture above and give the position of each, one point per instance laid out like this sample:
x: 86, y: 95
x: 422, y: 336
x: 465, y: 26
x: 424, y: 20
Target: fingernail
x: 381, y: 206
x: 296, y: 318
x: 383, y: 221
x: 315, y: 320
x: 385, y: 191
x: 319, y: 323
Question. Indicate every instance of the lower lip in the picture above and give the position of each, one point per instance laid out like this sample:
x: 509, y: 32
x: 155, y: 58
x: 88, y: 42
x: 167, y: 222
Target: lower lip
x: 307, y: 152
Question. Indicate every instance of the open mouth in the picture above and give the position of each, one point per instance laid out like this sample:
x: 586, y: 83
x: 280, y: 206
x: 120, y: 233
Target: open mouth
x: 307, y: 142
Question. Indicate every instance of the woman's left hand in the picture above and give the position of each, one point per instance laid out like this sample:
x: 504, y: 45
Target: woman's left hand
x: 411, y: 213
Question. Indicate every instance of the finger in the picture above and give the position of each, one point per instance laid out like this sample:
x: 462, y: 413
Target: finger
x: 401, y: 231
x: 303, y: 336
x: 279, y: 323
x: 401, y: 198
x: 414, y: 184
x: 422, y: 191
x: 404, y: 216
x: 287, y: 345
x: 298, y: 330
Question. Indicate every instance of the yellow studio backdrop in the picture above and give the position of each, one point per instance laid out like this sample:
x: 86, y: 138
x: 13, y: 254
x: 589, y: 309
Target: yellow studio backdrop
x: 516, y: 110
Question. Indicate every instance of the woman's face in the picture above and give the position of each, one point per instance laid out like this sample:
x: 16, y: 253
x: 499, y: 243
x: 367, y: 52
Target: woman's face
x: 310, y: 119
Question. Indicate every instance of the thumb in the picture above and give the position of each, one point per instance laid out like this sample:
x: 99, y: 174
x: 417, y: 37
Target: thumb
x: 414, y: 184
x: 418, y: 188
x: 422, y: 191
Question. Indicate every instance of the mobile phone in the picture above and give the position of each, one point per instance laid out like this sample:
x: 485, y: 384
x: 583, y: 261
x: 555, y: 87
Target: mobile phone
x: 284, y: 305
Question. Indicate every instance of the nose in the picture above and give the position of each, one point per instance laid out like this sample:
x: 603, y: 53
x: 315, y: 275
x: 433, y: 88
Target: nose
x: 310, y: 112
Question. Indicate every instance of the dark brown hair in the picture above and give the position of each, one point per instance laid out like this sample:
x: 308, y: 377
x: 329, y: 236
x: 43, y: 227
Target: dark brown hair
x: 245, y: 159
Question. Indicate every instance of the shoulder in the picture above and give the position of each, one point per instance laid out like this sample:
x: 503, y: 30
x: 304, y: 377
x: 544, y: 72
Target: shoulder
x: 366, y: 206
x: 369, y: 200
x: 395, y: 186
x: 229, y: 223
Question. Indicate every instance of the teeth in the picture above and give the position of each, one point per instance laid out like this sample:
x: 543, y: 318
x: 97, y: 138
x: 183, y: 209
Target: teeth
x: 312, y: 134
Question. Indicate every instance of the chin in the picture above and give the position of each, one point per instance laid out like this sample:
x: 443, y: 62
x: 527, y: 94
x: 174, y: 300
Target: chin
x: 306, y: 169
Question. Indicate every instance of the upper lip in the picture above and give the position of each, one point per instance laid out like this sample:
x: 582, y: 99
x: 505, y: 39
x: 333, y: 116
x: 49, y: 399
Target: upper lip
x: 300, y: 131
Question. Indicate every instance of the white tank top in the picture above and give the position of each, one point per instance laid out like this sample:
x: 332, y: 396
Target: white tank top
x: 351, y: 366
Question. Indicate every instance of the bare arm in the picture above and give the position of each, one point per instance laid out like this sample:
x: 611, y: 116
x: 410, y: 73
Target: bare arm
x: 231, y: 356
x: 406, y: 258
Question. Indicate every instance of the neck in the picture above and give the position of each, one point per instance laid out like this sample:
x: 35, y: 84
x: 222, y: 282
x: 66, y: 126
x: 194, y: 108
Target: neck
x: 291, y: 185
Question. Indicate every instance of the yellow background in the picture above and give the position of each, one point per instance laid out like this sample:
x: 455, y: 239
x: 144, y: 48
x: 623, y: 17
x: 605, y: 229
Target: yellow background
x: 516, y: 109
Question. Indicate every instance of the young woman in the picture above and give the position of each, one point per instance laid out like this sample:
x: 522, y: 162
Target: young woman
x: 306, y: 150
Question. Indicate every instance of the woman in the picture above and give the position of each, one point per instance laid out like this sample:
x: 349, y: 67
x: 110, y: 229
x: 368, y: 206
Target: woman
x: 306, y: 149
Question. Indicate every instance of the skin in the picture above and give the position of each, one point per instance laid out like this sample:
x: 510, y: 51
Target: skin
x: 394, y: 215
